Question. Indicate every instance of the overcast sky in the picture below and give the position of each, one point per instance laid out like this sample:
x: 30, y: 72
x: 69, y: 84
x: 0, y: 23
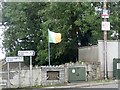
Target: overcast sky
x: 1, y: 37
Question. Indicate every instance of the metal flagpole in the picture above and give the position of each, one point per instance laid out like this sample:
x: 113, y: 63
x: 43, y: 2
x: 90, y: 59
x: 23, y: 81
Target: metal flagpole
x: 48, y: 49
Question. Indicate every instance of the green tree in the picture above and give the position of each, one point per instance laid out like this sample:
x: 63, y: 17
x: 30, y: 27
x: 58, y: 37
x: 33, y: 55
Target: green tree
x: 77, y: 22
x: 114, y: 20
x: 24, y: 29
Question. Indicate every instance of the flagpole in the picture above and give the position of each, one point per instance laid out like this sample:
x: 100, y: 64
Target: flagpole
x: 48, y: 48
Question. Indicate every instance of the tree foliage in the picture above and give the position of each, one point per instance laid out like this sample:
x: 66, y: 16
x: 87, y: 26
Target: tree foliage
x: 77, y: 22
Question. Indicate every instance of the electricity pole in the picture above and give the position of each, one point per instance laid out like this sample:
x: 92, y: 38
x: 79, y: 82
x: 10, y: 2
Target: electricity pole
x: 105, y: 39
x: 105, y: 27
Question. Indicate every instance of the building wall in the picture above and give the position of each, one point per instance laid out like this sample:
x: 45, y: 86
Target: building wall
x: 112, y: 52
x: 89, y: 54
x: 96, y: 54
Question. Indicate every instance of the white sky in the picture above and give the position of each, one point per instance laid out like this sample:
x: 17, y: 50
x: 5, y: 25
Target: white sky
x: 2, y: 55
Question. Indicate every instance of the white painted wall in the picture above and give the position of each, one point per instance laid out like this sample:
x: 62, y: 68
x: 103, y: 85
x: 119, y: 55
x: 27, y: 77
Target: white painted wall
x: 112, y: 52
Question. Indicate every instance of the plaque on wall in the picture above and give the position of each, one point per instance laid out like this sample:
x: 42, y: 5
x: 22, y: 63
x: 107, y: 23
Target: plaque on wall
x: 52, y: 75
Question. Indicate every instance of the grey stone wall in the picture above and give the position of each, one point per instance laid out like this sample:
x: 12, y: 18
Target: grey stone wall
x: 39, y: 77
x: 44, y: 77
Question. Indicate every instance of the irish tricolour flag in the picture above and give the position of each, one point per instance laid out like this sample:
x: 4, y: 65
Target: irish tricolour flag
x: 54, y: 37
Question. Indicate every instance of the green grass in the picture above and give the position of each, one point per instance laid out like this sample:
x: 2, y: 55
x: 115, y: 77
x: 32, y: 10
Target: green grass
x: 43, y: 86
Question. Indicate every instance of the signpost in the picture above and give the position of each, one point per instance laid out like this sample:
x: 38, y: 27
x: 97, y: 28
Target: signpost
x: 105, y: 26
x: 105, y: 13
x: 13, y: 59
x: 8, y: 68
x: 28, y: 53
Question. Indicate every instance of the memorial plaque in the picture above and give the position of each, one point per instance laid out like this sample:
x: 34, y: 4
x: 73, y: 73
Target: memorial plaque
x: 53, y: 75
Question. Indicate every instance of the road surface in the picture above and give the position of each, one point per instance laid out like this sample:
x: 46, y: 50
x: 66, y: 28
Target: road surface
x: 103, y: 86
x: 92, y: 87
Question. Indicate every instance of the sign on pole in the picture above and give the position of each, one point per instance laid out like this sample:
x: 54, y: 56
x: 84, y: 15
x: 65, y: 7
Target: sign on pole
x: 105, y: 26
x: 9, y: 60
x: 105, y: 14
x: 26, y: 53
x: 14, y: 59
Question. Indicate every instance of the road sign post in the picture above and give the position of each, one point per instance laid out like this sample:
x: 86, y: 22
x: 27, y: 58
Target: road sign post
x: 30, y: 71
x: 28, y: 53
x: 105, y: 28
x: 13, y: 59
x: 8, y: 68
x: 105, y: 13
x: 19, y: 74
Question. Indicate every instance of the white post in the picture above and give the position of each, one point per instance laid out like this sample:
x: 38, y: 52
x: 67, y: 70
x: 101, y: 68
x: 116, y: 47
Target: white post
x: 8, y: 67
x: 19, y: 74
x: 48, y: 49
x: 30, y: 70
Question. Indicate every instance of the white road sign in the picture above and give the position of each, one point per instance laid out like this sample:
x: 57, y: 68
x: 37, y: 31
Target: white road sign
x: 14, y: 59
x: 105, y: 26
x: 105, y: 14
x: 26, y: 53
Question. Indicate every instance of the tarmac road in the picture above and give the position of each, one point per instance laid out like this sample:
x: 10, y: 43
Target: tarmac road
x: 79, y: 86
x: 115, y: 85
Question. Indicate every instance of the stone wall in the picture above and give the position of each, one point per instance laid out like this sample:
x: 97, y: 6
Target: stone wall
x: 49, y: 75
x: 39, y: 76
x: 56, y: 73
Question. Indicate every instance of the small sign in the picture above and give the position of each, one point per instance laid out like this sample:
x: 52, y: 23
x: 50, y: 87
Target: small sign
x: 26, y: 53
x: 105, y: 26
x: 105, y: 14
x: 118, y: 65
x: 14, y: 59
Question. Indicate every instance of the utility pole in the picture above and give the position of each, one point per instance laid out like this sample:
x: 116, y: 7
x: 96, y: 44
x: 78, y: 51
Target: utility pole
x: 105, y: 42
x: 105, y: 27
